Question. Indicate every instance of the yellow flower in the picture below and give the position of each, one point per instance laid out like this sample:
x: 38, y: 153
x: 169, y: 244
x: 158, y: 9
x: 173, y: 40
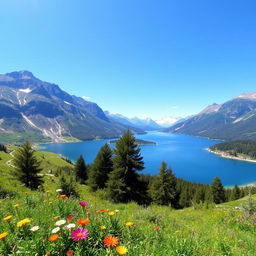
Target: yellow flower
x: 3, y: 235
x: 129, y: 224
x: 121, y: 250
x: 102, y: 227
x: 16, y: 205
x: 23, y: 222
x: 111, y: 213
x: 8, y: 218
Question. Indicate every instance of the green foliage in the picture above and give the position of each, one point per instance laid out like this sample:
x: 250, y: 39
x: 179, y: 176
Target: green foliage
x: 235, y: 193
x: 245, y: 147
x: 100, y: 169
x: 67, y: 182
x: 162, y: 189
x: 81, y: 170
x: 123, y: 184
x: 27, y: 167
x: 218, y: 191
x: 250, y: 204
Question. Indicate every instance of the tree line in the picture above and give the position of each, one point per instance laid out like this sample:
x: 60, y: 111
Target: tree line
x: 116, y: 173
x: 247, y: 147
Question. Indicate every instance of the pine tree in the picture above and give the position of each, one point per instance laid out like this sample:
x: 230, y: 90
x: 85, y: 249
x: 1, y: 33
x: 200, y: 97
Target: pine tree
x: 235, y: 193
x: 100, y: 169
x: 163, y: 187
x: 123, y: 184
x: 218, y: 191
x: 81, y: 170
x: 27, y: 167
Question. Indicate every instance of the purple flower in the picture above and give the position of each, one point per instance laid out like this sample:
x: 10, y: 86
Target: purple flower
x: 83, y: 203
x: 79, y: 234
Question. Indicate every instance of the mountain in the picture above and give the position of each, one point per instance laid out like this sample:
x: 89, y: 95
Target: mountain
x: 168, y: 121
x: 146, y: 124
x: 31, y: 106
x: 234, y: 119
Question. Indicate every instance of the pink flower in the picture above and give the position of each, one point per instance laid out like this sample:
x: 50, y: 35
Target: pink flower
x: 83, y: 203
x: 79, y: 234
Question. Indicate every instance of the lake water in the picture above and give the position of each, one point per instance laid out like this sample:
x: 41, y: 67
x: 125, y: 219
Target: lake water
x: 185, y: 154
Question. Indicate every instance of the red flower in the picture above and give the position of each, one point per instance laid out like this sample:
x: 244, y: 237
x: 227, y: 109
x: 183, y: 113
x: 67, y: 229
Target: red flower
x: 69, y: 218
x: 83, y: 222
x: 70, y: 253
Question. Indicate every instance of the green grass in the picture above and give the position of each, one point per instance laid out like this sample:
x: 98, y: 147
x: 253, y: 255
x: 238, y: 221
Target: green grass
x: 220, y: 230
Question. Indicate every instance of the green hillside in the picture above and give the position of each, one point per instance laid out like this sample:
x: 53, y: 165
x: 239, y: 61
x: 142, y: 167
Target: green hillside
x: 155, y: 230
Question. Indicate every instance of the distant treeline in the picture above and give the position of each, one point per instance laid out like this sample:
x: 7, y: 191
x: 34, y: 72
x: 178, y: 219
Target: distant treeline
x: 247, y: 147
x: 3, y: 148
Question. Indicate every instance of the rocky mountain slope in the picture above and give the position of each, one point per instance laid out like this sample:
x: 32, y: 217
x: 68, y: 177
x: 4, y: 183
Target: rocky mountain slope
x: 234, y: 119
x: 29, y: 105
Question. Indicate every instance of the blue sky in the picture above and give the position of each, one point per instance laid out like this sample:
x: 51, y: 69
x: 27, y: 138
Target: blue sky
x: 135, y: 57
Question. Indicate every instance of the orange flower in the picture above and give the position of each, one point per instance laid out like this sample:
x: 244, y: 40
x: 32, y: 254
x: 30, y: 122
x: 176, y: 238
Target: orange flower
x: 63, y: 196
x: 102, y: 210
x: 111, y: 241
x: 69, y: 218
x: 3, y: 235
x: 102, y: 227
x: 53, y: 238
x: 70, y: 253
x: 54, y: 218
x: 83, y: 222
x: 156, y: 227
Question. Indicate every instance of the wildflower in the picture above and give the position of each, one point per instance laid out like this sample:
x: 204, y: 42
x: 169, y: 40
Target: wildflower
x: 56, y: 230
x: 63, y: 196
x: 83, y: 203
x: 121, y: 250
x: 70, y: 253
x: 83, y: 222
x: 55, y: 218
x: 59, y: 190
x: 53, y: 238
x: 156, y: 227
x: 69, y: 218
x: 23, y: 222
x: 79, y: 234
x: 70, y: 226
x: 16, y: 205
x: 3, y: 235
x: 102, y: 210
x: 129, y: 224
x: 35, y: 228
x: 8, y: 218
x: 116, y: 211
x: 47, y: 191
x: 111, y: 213
x: 111, y: 241
x: 60, y: 222
x: 102, y: 227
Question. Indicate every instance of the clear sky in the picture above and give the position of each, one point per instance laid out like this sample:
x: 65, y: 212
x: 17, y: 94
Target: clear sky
x: 135, y: 57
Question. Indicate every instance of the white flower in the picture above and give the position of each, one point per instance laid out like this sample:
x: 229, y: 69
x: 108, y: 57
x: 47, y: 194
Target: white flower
x: 60, y: 222
x: 59, y: 190
x: 56, y: 230
x: 70, y: 226
x: 116, y: 211
x: 35, y: 228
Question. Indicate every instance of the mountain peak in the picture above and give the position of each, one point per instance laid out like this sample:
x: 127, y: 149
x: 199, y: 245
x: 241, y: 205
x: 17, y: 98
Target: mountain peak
x: 23, y: 74
x: 249, y: 96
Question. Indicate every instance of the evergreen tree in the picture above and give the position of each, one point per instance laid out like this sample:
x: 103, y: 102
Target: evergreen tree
x: 67, y: 181
x: 27, y: 167
x: 218, y: 191
x: 123, y: 184
x: 163, y: 187
x: 81, y: 170
x: 235, y: 193
x: 100, y: 169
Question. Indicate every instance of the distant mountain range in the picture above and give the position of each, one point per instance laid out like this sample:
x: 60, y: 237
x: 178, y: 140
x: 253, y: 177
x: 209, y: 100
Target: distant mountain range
x: 234, y: 119
x: 146, y: 124
x: 31, y: 106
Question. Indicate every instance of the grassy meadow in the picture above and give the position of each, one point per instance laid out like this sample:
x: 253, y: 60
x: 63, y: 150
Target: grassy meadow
x: 45, y: 222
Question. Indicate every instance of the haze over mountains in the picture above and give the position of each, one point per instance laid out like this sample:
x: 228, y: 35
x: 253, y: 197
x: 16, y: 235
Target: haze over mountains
x: 29, y: 105
x: 234, y: 119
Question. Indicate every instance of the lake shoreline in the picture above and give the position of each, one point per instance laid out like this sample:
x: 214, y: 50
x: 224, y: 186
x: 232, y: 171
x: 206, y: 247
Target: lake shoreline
x: 228, y: 156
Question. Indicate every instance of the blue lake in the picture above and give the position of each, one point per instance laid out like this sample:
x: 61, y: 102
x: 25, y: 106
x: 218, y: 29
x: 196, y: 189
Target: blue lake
x: 185, y: 154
